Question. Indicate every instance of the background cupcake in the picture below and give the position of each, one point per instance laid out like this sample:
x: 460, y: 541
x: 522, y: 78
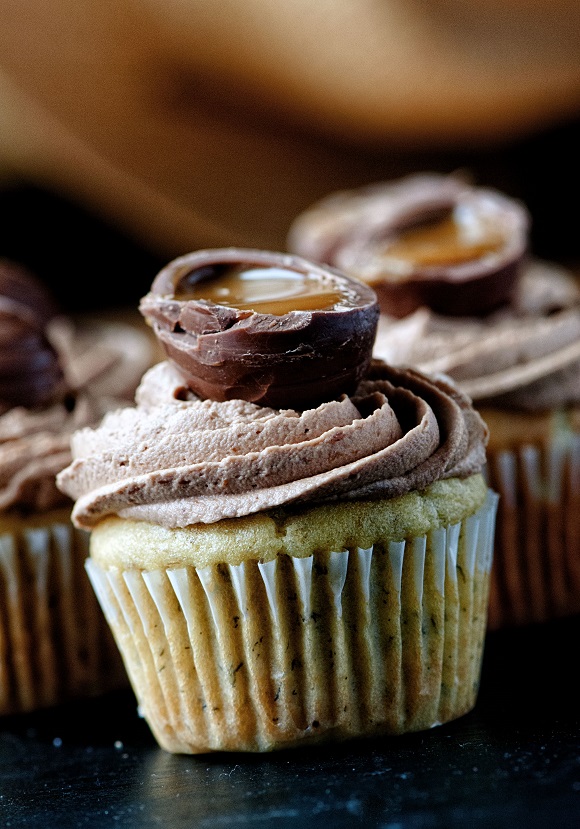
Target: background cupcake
x: 278, y: 575
x: 517, y: 355
x: 54, y: 377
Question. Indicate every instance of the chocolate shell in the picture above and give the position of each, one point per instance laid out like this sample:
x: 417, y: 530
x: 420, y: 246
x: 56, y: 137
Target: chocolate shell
x: 296, y: 359
x: 30, y: 372
x: 21, y: 285
x: 425, y: 240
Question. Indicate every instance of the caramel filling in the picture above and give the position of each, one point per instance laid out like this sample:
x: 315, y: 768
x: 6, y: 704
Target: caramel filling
x: 449, y: 241
x: 276, y: 291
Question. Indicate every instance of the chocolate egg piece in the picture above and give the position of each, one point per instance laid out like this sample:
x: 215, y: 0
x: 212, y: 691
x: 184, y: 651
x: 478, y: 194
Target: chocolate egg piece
x: 30, y: 370
x: 425, y: 240
x: 18, y: 283
x: 262, y: 326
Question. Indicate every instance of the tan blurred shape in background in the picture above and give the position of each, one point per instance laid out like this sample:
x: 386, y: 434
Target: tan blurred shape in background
x: 192, y: 123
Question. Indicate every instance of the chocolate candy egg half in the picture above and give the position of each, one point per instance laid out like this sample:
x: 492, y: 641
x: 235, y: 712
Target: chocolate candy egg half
x: 266, y: 327
x: 30, y: 370
x: 424, y: 240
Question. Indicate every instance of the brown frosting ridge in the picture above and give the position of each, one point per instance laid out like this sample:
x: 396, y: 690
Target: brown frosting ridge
x: 526, y: 356
x: 34, y: 446
x: 177, y: 460
x: 101, y: 364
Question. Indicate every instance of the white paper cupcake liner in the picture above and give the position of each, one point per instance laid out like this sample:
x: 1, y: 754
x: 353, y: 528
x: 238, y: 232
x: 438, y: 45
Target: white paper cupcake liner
x: 54, y: 642
x: 536, y: 572
x: 266, y: 655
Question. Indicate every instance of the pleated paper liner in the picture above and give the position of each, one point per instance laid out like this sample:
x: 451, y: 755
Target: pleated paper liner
x: 55, y: 644
x: 261, y: 656
x: 536, y: 571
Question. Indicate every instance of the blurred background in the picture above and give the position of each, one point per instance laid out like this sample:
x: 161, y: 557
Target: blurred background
x: 133, y: 132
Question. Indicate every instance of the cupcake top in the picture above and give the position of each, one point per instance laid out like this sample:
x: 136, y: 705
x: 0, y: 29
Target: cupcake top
x: 526, y: 356
x: 177, y: 459
x: 55, y: 377
x: 461, y: 292
x: 424, y: 240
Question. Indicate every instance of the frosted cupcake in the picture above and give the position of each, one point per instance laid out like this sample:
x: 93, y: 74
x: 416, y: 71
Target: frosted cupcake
x: 54, y: 643
x: 466, y: 297
x: 522, y: 371
x: 276, y: 575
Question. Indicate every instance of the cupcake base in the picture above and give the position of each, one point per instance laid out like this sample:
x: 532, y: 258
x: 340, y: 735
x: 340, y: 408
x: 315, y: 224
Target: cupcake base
x: 534, y: 465
x: 55, y: 644
x: 298, y: 649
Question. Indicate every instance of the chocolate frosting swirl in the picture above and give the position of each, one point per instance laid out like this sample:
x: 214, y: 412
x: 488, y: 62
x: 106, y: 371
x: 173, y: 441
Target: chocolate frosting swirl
x: 34, y: 446
x: 101, y: 363
x: 177, y: 461
x: 526, y: 357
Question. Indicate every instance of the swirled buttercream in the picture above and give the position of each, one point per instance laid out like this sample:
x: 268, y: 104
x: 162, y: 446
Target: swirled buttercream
x: 101, y: 363
x: 177, y: 460
x: 527, y: 356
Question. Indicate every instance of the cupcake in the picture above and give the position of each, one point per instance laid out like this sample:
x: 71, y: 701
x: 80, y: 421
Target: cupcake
x: 277, y: 575
x: 54, y: 378
x: 516, y: 356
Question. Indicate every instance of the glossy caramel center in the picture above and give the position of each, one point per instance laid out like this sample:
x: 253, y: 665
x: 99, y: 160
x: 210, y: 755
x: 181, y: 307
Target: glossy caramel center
x: 264, y: 290
x: 459, y: 237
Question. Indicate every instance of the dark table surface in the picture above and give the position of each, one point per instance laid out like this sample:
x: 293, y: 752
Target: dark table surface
x: 514, y: 761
